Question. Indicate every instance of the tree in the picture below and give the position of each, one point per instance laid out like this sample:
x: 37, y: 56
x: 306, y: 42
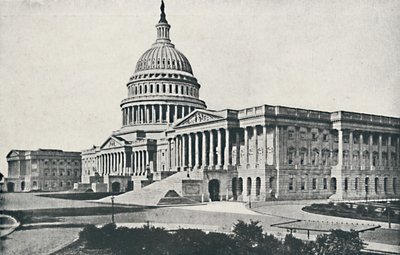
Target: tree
x: 336, y: 243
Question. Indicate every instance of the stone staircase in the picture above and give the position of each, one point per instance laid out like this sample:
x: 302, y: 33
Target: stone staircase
x: 151, y: 194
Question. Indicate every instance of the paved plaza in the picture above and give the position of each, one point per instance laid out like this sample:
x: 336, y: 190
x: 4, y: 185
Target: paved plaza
x: 215, y: 216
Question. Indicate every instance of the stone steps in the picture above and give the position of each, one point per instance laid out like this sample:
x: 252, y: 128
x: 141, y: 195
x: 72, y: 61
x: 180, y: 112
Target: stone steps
x: 153, y: 193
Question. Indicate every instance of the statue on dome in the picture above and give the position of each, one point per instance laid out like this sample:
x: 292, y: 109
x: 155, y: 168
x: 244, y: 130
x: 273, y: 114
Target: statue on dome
x: 162, y: 15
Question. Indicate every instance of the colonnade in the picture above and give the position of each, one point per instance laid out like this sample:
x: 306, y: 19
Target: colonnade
x: 122, y: 163
x: 213, y: 148
x: 368, y: 155
x: 154, y: 113
x: 112, y: 163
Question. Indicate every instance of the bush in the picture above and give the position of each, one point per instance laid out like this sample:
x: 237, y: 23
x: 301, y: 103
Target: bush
x: 371, y: 210
x: 337, y: 242
x: 342, y: 206
x: 361, y: 210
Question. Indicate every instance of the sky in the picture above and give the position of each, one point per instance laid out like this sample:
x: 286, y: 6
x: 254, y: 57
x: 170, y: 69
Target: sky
x: 64, y: 64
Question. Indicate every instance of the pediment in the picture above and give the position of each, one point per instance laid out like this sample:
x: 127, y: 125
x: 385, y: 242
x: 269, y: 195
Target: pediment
x: 13, y: 153
x: 198, y: 117
x: 112, y: 142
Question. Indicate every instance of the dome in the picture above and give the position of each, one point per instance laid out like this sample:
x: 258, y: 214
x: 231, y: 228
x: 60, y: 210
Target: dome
x: 163, y: 56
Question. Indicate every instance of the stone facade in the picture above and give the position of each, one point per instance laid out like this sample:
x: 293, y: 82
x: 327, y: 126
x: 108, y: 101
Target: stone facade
x: 45, y: 170
x: 258, y: 153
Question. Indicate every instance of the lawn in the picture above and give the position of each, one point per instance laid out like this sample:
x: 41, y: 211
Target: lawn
x: 361, y: 212
x: 79, y: 196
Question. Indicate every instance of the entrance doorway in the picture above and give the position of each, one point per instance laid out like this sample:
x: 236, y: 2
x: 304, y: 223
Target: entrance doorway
x: 22, y: 186
x: 333, y: 184
x: 116, y: 187
x: 234, y: 188
x: 10, y: 187
x: 213, y: 189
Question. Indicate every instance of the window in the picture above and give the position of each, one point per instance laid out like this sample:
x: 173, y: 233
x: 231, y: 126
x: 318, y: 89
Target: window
x: 61, y: 184
x: 355, y: 139
x: 54, y: 173
x: 158, y: 88
x: 76, y: 173
x: 356, y: 184
x: 290, y: 134
x: 303, y: 156
x: 291, y: 183
x: 46, y: 173
x: 303, y: 183
x: 291, y: 156
x: 314, y: 136
x: 314, y: 183
x: 345, y: 138
x: 163, y: 88
x: 326, y: 137
x: 385, y: 185
x: 394, y: 185
x: 376, y: 185
x: 68, y: 173
x: 325, y: 182
x: 303, y: 135
x: 170, y: 88
x: 61, y: 173
x: 68, y: 184
x: 384, y: 141
x: 346, y: 184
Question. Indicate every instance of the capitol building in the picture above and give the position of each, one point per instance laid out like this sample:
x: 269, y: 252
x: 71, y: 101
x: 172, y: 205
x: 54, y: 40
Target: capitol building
x: 170, y: 141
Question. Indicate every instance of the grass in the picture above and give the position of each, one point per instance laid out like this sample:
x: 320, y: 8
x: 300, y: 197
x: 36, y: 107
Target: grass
x: 49, y: 215
x: 79, y: 196
x: 342, y: 210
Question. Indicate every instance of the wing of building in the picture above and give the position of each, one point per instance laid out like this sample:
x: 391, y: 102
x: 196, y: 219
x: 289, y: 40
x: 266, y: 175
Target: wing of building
x: 258, y: 153
x: 42, y: 169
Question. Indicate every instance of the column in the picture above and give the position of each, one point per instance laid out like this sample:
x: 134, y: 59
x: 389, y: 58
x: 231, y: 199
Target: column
x: 237, y: 147
x: 277, y: 160
x: 380, y: 150
x: 160, y: 112
x: 219, y: 159
x: 361, y: 151
x: 147, y: 159
x: 176, y: 113
x: 190, y: 151
x: 147, y: 113
x: 184, y: 154
x: 264, y: 149
x: 197, y: 150
x: 132, y: 164
x: 351, y: 142
x: 124, y: 163
x: 154, y: 119
x: 169, y: 155
x: 227, y: 148
x: 211, y: 156
x: 340, y: 148
x: 168, y: 113
x: 246, y: 146
x: 255, y: 142
x: 204, y: 150
x: 398, y: 152
x: 389, y: 152
x: 371, y: 140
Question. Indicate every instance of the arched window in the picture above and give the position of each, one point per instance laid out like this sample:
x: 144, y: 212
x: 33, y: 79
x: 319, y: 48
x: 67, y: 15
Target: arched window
x: 145, y: 88
x: 366, y: 184
x: 385, y: 180
x: 240, y: 186
x: 248, y: 186
x: 158, y: 88
x: 140, y: 89
x: 376, y: 184
x: 163, y: 88
x: 170, y: 88
x: 151, y: 88
x: 258, y: 186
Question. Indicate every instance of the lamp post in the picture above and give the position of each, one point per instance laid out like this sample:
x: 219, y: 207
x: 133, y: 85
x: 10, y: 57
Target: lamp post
x: 388, y: 213
x: 112, y: 209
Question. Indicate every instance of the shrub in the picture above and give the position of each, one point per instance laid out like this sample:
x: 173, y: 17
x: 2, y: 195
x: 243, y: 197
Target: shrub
x: 371, y: 210
x: 342, y: 206
x: 361, y: 210
x: 337, y: 242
